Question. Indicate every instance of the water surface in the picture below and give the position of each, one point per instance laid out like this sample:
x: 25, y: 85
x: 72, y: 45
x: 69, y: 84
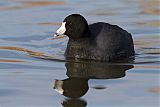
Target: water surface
x: 32, y: 67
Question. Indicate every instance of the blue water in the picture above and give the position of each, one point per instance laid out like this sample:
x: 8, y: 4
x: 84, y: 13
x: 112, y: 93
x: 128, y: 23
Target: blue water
x: 31, y: 61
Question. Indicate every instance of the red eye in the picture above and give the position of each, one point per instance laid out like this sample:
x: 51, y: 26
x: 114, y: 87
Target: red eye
x: 69, y: 24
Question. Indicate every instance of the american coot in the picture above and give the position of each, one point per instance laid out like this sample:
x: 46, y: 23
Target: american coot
x: 99, y: 41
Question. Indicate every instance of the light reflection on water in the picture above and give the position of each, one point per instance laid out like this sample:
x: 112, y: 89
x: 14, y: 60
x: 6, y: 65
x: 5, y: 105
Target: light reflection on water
x: 30, y: 59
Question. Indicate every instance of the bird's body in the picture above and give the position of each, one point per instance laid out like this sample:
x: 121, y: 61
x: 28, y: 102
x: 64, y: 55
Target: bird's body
x: 99, y: 41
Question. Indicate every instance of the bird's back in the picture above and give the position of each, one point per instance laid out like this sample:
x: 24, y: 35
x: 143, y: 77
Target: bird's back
x: 110, y: 42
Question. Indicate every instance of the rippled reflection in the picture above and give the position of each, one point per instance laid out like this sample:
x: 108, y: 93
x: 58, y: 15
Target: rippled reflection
x: 79, y: 73
x: 96, y: 70
x: 72, y: 87
x: 74, y: 103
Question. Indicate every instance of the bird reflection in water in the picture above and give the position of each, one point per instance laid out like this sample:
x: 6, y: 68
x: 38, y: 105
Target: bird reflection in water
x: 74, y: 103
x: 79, y: 73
